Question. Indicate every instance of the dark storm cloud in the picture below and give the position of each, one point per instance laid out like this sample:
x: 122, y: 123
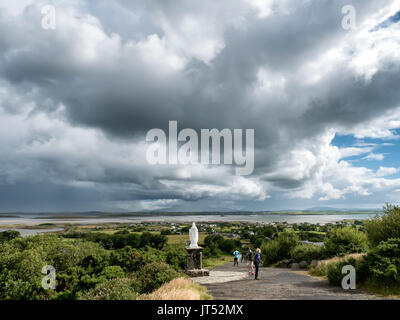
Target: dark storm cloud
x: 108, y: 76
x: 132, y: 98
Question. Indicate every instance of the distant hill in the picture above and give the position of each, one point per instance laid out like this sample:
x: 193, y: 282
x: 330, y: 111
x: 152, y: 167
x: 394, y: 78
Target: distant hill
x: 100, y: 214
x: 340, y: 209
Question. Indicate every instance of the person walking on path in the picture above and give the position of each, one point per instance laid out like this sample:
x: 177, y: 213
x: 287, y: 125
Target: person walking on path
x: 257, y: 262
x: 249, y: 260
x: 236, y: 258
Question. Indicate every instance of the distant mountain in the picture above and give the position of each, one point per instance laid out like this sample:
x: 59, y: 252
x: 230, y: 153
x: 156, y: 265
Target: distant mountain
x: 340, y: 209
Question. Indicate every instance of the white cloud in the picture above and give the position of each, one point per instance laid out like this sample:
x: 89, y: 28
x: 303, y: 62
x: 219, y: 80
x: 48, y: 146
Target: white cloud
x: 385, y: 171
x: 375, y: 156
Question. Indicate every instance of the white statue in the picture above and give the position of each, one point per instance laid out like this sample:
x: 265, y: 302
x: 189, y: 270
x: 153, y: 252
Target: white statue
x: 193, y: 236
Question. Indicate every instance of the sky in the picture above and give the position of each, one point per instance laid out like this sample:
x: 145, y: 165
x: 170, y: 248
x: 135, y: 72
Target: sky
x: 77, y: 100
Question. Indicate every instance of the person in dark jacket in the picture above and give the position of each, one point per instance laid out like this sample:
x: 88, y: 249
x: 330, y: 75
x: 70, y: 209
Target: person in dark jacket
x: 250, y: 264
x: 257, y: 262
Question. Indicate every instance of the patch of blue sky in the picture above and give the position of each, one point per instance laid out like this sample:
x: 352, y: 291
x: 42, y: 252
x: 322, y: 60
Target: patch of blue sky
x: 388, y: 22
x: 383, y: 153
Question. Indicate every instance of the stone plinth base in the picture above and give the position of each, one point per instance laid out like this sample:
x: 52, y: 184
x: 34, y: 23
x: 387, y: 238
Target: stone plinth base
x: 195, y: 263
x: 194, y: 258
x: 198, y: 273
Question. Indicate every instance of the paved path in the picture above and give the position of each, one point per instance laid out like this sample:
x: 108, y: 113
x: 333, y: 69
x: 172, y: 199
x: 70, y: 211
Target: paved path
x: 222, y: 276
x: 276, y: 284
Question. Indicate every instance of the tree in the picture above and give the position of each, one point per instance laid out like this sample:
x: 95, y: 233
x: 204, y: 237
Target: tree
x: 384, y: 227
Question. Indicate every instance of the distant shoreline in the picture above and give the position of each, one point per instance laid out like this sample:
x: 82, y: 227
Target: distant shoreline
x: 96, y: 215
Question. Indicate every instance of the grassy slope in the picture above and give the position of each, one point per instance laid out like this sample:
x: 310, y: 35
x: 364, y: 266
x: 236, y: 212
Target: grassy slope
x: 178, y: 289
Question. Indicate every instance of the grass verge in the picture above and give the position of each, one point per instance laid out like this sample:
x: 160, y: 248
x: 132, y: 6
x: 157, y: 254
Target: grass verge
x: 215, y: 262
x: 321, y: 270
x: 178, y: 289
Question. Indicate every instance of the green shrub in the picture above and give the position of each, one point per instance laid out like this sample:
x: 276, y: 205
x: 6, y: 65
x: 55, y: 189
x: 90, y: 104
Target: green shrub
x: 128, y: 258
x: 308, y: 253
x: 342, y: 241
x: 270, y: 252
x: 154, y: 275
x: 230, y: 245
x: 153, y: 255
x: 153, y: 240
x: 216, y: 243
x: 382, y: 264
x: 384, y: 227
x: 111, y: 272
x: 212, y: 250
x: 9, y: 235
x: 115, y: 289
x: 287, y: 240
x: 280, y: 248
x: 313, y: 236
x: 335, y: 274
x: 176, y: 257
x: 257, y: 241
x: 22, y: 260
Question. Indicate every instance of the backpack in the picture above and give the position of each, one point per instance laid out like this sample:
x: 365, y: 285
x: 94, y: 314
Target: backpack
x: 249, y: 255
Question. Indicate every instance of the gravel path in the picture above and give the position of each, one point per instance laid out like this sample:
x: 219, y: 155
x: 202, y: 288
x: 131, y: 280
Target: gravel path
x: 222, y: 276
x: 274, y: 284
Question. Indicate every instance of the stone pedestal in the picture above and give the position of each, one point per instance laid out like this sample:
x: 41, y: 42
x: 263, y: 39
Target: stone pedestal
x: 194, y: 266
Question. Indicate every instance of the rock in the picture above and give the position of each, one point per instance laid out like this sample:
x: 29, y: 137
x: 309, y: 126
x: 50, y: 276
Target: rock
x: 197, y: 273
x: 295, y: 266
x: 284, y: 263
x: 313, y: 263
x: 281, y: 264
x: 303, y: 264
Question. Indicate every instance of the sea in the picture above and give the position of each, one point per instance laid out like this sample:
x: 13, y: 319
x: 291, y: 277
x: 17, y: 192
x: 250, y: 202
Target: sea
x: 32, y: 220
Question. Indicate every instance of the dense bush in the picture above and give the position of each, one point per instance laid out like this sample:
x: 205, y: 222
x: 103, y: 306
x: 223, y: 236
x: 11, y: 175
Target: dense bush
x: 211, y: 250
x: 270, y: 252
x: 153, y: 275
x: 384, y: 227
x: 213, y: 239
x: 176, y: 257
x: 122, y: 239
x: 335, y: 274
x: 111, y: 272
x: 230, y: 245
x: 257, y: 241
x: 127, y: 258
x: 279, y: 248
x: 81, y: 266
x: 22, y: 260
x: 380, y: 267
x: 287, y: 240
x: 9, y: 235
x: 216, y: 243
x: 382, y: 264
x: 342, y: 241
x: 312, y: 236
x: 115, y: 289
x: 308, y: 253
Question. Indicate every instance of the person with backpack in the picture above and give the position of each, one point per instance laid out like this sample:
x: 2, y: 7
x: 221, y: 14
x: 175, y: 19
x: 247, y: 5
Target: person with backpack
x: 249, y: 259
x: 257, y: 262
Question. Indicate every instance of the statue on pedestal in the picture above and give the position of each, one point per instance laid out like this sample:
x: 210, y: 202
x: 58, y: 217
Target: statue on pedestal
x: 194, y: 266
x: 193, y: 236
